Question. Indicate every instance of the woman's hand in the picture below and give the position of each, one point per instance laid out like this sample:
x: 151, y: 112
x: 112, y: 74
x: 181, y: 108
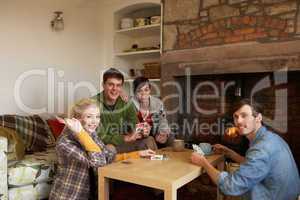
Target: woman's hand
x: 161, y: 137
x: 198, y: 159
x: 146, y: 153
x: 146, y: 129
x: 143, y: 129
x: 73, y: 124
x: 220, y: 149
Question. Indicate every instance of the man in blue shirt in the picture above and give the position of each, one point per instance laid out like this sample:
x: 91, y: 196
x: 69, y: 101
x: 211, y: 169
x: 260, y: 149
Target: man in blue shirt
x: 268, y: 170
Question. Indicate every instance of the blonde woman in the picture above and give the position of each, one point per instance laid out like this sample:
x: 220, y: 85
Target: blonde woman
x: 79, y: 149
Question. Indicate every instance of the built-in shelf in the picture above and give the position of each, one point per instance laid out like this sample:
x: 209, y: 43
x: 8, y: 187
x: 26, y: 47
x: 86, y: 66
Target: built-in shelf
x: 146, y: 37
x: 142, y: 30
x: 147, y: 52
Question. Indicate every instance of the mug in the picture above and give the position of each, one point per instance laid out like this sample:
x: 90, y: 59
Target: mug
x: 178, y: 145
x: 206, y: 148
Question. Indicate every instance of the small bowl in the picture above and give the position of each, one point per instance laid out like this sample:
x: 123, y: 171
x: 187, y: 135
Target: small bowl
x: 178, y: 145
x: 126, y: 23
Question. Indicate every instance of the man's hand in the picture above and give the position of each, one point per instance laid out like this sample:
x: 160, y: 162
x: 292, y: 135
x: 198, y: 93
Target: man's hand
x: 124, y: 96
x: 198, y: 159
x: 146, y: 153
x: 220, y: 149
x: 161, y: 137
x: 201, y: 161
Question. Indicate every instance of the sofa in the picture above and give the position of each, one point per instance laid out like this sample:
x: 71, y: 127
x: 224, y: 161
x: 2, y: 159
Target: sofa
x: 27, y: 157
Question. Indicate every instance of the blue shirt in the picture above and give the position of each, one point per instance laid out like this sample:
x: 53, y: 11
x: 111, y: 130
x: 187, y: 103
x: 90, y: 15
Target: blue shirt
x: 269, y: 172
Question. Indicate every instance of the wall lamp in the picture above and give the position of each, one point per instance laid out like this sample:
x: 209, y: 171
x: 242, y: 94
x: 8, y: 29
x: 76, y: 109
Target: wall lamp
x: 57, y: 24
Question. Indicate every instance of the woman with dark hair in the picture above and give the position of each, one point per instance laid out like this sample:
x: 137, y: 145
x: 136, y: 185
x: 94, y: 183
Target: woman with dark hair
x: 151, y: 114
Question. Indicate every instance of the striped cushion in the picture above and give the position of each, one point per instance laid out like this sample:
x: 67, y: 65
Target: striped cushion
x: 32, y: 129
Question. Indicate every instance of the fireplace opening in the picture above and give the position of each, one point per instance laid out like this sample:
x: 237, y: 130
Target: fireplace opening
x: 206, y: 106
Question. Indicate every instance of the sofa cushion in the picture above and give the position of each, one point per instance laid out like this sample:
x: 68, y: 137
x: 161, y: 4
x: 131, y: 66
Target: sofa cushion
x: 34, y: 168
x: 30, y: 192
x: 3, y: 168
x: 56, y: 127
x: 32, y: 129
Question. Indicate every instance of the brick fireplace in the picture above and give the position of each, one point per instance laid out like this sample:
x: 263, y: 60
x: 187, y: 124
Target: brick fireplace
x: 217, y: 51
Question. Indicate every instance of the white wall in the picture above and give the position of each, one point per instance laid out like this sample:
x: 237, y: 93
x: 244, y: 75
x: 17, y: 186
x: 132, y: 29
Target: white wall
x: 72, y: 56
x: 53, y: 63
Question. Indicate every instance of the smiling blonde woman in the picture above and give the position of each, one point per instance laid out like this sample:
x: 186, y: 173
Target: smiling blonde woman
x: 79, y: 149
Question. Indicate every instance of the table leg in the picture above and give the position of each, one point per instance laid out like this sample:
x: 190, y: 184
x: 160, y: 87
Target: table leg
x: 170, y: 194
x: 220, y: 167
x: 103, y: 188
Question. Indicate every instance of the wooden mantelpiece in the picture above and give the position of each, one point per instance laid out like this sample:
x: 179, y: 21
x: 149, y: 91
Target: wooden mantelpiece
x: 232, y: 66
x: 237, y: 58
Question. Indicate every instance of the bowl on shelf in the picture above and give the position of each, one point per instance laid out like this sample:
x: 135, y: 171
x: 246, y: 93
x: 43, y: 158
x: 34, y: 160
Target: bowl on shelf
x: 126, y: 23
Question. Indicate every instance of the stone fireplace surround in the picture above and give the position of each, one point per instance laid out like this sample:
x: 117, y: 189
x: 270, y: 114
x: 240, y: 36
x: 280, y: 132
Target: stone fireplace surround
x: 247, y: 62
x: 240, y: 41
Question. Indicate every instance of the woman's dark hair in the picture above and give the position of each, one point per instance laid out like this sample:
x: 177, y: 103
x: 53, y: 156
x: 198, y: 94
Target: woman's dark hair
x: 112, y: 73
x: 255, y: 107
x: 140, y: 82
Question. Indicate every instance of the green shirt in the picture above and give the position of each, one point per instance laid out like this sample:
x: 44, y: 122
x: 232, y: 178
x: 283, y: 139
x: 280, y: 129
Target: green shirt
x: 115, y: 120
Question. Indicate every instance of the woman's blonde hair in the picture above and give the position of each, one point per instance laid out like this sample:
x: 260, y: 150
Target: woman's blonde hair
x: 80, y: 106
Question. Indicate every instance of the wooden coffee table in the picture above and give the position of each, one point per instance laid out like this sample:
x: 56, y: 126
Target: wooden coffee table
x: 167, y: 175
